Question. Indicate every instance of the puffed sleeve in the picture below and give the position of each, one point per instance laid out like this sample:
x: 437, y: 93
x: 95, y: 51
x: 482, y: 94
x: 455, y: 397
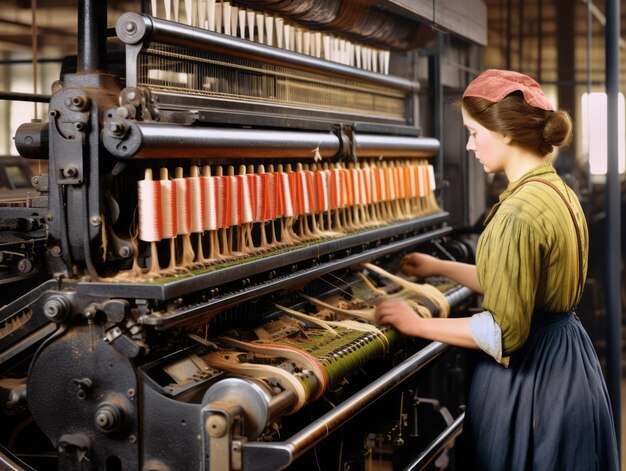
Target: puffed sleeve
x: 509, y: 264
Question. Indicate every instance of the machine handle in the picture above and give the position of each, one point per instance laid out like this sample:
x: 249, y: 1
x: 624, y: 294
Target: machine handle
x: 441, y: 442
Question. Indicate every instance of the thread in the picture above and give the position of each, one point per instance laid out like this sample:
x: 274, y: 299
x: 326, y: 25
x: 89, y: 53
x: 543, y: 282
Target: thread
x: 183, y: 208
x: 149, y: 200
x: 196, y: 202
x: 168, y: 205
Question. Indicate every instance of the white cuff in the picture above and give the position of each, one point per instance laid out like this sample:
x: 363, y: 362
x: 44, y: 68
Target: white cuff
x: 487, y: 334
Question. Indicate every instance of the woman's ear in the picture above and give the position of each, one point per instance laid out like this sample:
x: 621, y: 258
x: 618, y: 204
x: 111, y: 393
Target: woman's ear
x: 507, y: 139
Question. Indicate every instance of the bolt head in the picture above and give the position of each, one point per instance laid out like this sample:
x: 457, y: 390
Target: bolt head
x: 216, y: 426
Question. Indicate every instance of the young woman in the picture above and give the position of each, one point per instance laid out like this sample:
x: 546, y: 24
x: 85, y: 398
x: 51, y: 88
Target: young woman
x: 538, y: 398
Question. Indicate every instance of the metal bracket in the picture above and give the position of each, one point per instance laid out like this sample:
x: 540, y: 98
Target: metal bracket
x: 346, y: 136
x: 236, y: 410
x: 118, y: 339
x: 221, y: 425
x: 69, y: 170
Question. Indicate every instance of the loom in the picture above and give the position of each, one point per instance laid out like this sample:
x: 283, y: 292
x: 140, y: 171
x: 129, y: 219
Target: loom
x: 219, y: 218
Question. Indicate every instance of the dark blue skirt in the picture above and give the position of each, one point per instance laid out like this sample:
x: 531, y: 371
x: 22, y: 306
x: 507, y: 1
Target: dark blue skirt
x: 549, y: 410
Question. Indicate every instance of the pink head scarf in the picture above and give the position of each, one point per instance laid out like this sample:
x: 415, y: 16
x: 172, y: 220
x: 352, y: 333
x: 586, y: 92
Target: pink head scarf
x: 494, y: 85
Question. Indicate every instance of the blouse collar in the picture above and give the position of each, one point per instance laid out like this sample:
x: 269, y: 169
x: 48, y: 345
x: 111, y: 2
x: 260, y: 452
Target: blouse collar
x: 538, y: 171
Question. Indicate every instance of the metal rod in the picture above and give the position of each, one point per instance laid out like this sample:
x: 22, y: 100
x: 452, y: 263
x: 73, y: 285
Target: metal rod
x: 372, y: 145
x: 134, y: 28
x: 520, y: 36
x: 154, y: 140
x: 30, y: 97
x: 509, y: 33
x: 278, y: 455
x: 280, y: 404
x: 613, y: 240
x: 539, y: 40
x: 92, y: 35
x: 35, y: 49
x: 441, y: 442
x: 129, y: 139
x: 436, y: 69
x: 10, y: 462
x: 589, y: 27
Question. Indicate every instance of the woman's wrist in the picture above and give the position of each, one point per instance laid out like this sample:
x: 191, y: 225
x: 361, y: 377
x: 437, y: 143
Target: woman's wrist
x: 442, y: 267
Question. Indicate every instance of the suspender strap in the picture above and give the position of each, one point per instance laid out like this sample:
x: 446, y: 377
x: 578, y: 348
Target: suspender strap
x: 578, y: 236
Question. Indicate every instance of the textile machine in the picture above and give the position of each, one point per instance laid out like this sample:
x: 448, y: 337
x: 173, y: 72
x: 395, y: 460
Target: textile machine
x: 228, y: 185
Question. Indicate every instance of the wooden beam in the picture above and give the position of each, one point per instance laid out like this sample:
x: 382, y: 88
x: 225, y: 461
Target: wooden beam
x: 466, y: 19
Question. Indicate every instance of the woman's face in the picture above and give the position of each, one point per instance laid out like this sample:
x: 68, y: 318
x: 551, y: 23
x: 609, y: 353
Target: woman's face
x: 490, y: 148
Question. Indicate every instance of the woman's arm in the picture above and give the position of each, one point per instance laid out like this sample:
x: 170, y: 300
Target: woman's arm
x: 422, y: 265
x: 462, y: 273
x: 397, y: 313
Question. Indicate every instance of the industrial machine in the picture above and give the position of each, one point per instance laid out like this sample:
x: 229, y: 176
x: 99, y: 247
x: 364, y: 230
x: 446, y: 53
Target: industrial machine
x: 230, y: 188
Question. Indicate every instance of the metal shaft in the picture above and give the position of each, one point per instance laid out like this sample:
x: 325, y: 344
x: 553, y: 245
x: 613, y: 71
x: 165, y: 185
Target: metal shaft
x: 92, y: 35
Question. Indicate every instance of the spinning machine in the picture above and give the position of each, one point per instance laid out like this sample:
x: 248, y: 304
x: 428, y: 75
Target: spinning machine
x: 222, y: 209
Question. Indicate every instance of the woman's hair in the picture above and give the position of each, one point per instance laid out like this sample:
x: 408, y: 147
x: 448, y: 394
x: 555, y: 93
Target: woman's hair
x: 529, y: 127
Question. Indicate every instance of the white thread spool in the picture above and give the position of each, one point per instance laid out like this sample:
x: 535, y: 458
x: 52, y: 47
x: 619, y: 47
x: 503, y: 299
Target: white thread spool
x: 288, y: 206
x: 269, y: 30
x: 431, y: 178
x: 235, y: 215
x: 245, y: 197
x: 242, y: 23
x: 168, y: 205
x: 210, y: 199
x: 251, y: 17
x: 211, y: 14
x: 183, y: 213
x: 279, y: 27
x: 195, y: 201
x: 149, y: 203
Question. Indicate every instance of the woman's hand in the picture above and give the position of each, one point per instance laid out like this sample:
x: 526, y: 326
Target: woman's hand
x: 397, y: 313
x: 420, y: 265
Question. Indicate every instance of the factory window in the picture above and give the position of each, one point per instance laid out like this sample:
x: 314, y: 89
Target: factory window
x: 594, y: 136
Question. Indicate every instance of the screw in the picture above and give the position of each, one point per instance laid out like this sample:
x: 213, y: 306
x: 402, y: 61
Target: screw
x: 125, y: 251
x: 56, y: 308
x: 78, y: 100
x: 216, y: 426
x: 107, y: 418
x: 25, y: 265
x: 70, y: 172
x: 116, y: 128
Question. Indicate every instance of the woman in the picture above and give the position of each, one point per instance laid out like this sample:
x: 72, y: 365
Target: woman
x: 538, y: 399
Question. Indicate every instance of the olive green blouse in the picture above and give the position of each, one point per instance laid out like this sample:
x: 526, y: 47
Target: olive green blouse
x: 527, y: 257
